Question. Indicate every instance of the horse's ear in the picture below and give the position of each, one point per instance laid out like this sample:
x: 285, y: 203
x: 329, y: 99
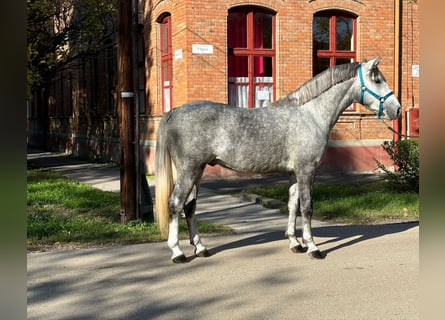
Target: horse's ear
x: 375, y: 61
x: 372, y: 64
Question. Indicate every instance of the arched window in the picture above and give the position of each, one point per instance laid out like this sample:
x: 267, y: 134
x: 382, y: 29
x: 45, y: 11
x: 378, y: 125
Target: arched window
x: 166, y: 62
x: 334, y: 39
x: 251, y: 61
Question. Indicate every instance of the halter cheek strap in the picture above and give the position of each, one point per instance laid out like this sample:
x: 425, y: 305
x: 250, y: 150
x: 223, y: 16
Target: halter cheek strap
x: 372, y: 93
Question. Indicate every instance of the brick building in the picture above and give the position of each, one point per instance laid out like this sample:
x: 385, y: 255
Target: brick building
x: 266, y: 49
x: 245, y: 53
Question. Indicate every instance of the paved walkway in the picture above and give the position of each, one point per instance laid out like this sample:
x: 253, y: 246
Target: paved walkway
x: 370, y: 272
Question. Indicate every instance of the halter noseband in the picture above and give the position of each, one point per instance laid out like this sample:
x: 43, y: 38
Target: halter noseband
x: 372, y: 93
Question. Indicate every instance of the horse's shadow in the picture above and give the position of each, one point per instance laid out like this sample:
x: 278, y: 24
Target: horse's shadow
x: 358, y: 233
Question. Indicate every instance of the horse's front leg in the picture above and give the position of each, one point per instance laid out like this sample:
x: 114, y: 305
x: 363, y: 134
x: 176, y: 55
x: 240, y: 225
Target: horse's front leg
x: 305, y: 187
x: 295, y: 245
x: 195, y: 240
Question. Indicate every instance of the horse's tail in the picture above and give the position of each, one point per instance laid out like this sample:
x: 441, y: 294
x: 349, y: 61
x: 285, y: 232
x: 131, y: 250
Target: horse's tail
x: 163, y: 179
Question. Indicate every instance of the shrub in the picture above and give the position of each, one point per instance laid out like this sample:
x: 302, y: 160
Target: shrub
x: 405, y: 154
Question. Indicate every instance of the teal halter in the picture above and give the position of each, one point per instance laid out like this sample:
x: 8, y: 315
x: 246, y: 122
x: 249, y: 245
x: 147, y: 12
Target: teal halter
x: 372, y: 93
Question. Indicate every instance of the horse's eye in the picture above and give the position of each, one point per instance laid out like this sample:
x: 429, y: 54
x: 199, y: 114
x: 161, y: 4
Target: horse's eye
x: 376, y: 77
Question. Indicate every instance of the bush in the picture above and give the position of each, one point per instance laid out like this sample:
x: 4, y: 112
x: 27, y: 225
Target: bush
x: 405, y: 154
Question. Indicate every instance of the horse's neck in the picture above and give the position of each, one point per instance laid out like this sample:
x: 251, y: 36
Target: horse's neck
x: 327, y: 107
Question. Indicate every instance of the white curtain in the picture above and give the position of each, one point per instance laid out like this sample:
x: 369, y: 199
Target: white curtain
x: 239, y: 90
x: 167, y: 106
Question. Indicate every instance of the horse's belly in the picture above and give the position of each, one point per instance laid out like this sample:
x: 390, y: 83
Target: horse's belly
x: 253, y: 163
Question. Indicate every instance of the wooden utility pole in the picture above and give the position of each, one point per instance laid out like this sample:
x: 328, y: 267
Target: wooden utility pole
x: 126, y: 112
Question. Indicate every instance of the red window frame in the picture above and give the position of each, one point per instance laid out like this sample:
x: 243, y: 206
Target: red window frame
x: 333, y: 54
x: 166, y: 63
x: 251, y: 51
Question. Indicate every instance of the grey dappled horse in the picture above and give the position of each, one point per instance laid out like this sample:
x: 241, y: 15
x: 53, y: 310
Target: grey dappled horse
x: 289, y: 136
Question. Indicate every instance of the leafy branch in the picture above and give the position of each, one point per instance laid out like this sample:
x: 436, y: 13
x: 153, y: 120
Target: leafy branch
x: 59, y: 31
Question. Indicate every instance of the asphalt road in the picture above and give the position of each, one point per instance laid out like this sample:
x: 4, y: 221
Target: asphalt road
x: 369, y: 272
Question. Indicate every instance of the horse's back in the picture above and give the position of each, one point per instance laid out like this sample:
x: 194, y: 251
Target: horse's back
x: 199, y: 118
x: 211, y: 120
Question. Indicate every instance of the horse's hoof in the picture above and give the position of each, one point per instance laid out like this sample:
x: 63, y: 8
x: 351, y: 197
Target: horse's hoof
x: 203, y: 254
x: 315, y: 254
x: 179, y: 259
x: 298, y: 249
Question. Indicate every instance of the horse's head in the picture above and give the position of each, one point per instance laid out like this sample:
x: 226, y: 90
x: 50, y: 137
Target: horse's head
x: 375, y: 93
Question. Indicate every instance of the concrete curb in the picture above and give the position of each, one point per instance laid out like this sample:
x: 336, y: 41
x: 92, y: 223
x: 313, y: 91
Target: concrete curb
x: 266, y: 202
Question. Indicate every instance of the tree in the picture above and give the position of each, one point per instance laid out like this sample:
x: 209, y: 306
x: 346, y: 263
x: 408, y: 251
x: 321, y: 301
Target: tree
x: 60, y: 31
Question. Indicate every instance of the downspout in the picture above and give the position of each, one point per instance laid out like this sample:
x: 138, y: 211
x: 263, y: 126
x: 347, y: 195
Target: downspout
x: 397, y: 124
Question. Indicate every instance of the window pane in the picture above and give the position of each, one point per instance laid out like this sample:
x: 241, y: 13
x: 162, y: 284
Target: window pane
x: 320, y: 64
x: 320, y: 29
x: 238, y: 66
x: 263, y: 30
x: 342, y: 61
x: 237, y: 30
x: 262, y: 66
x: 167, y: 106
x: 344, y: 33
x: 164, y: 38
x: 166, y: 70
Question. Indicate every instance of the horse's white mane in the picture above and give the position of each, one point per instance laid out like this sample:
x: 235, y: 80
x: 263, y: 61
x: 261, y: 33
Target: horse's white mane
x: 319, y: 84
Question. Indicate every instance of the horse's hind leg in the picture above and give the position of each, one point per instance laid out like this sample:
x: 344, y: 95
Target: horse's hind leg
x: 189, y: 209
x: 173, y: 239
x: 176, y: 202
x: 183, y: 187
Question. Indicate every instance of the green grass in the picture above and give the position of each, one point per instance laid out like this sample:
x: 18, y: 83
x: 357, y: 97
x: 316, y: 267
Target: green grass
x: 364, y: 203
x: 64, y: 213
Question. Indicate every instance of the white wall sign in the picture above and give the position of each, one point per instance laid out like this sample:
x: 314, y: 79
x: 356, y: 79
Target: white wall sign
x: 178, y: 54
x: 415, y: 70
x: 202, y: 49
